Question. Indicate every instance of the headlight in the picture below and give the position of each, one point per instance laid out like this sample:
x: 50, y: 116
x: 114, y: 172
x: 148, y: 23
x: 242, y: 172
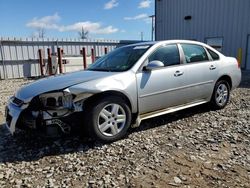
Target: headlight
x: 57, y: 100
x: 16, y: 101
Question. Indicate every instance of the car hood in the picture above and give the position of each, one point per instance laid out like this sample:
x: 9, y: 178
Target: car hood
x: 58, y: 82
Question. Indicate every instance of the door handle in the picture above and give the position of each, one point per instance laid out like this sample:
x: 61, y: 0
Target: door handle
x: 178, y: 73
x: 212, y: 67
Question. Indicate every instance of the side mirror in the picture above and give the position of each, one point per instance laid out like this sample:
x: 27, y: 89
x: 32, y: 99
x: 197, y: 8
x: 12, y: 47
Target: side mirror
x: 153, y: 65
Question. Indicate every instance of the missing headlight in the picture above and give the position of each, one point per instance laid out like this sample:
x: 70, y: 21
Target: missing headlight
x: 50, y: 101
x: 57, y: 100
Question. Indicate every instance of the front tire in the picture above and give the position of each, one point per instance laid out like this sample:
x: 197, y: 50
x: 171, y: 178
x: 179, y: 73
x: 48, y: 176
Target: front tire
x: 220, y: 95
x: 109, y: 119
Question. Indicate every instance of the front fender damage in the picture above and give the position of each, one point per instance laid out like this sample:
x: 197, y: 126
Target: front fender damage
x: 52, y: 120
x: 45, y: 111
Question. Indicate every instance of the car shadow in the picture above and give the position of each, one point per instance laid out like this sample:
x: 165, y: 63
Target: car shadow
x: 245, y: 84
x: 32, y: 146
x: 245, y: 80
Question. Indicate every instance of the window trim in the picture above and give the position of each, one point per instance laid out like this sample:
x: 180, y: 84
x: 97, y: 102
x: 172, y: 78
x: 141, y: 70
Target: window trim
x: 206, y: 48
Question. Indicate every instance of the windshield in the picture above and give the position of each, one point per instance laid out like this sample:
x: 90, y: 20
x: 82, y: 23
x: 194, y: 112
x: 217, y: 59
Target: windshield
x: 121, y: 59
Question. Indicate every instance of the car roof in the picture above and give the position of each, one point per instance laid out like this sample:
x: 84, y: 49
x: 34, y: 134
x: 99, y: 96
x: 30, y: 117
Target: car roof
x: 167, y: 41
x: 158, y: 43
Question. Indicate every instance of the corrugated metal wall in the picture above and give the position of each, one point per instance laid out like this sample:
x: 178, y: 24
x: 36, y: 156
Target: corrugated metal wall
x: 19, y: 57
x: 229, y: 19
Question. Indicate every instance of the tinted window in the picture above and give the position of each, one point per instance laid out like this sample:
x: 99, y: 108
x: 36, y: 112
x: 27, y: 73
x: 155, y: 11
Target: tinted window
x: 214, y: 55
x: 194, y: 53
x: 121, y: 59
x: 169, y: 55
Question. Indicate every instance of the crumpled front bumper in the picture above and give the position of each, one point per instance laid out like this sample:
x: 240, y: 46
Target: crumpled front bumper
x: 12, y: 114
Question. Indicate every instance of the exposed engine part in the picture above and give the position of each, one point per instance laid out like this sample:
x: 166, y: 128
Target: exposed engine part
x: 35, y: 113
x: 57, y: 100
x: 78, y: 106
x: 63, y: 126
x: 50, y: 114
x: 29, y: 119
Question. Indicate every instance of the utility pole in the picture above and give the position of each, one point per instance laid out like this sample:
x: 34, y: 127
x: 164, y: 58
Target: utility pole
x: 141, y: 36
x: 153, y: 26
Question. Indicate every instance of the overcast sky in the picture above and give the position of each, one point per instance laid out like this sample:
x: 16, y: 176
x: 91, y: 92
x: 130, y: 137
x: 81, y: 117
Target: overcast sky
x: 108, y: 19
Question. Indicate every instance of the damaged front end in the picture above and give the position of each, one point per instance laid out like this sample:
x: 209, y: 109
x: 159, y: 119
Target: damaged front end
x: 53, y: 113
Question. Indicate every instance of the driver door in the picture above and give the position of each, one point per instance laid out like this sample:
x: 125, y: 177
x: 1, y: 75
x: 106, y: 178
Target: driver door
x: 163, y: 87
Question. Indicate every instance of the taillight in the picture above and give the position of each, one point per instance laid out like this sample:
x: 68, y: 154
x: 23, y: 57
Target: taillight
x: 238, y: 64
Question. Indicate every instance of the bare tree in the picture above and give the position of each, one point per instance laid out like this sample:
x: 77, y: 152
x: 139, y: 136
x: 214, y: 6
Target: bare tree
x: 41, y: 32
x: 83, y: 34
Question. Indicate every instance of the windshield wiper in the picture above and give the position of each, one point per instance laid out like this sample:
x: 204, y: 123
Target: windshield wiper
x: 100, y: 69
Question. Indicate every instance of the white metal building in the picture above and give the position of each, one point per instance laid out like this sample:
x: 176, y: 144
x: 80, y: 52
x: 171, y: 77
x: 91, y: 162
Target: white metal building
x: 223, y: 24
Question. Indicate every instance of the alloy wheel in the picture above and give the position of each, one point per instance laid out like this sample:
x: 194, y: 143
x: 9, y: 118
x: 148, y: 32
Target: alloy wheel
x: 221, y: 94
x: 111, y: 120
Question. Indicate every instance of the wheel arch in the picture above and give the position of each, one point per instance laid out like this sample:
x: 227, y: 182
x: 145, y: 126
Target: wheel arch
x: 97, y: 96
x: 226, y: 78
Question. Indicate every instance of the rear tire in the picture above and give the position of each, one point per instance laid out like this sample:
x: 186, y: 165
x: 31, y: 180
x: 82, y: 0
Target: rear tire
x: 221, y: 95
x: 109, y: 119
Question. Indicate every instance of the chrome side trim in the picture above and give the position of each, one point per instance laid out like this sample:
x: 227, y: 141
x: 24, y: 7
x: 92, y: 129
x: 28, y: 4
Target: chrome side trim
x: 169, y: 110
x: 175, y: 89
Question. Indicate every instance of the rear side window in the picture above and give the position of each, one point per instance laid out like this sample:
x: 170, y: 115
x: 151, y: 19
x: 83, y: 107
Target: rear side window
x: 214, y: 55
x: 194, y: 53
x: 169, y: 55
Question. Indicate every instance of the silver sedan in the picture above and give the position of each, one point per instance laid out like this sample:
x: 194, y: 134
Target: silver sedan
x: 124, y: 87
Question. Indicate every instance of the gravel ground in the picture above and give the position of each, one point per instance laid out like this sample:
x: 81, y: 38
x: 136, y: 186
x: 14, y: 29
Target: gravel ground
x: 196, y: 147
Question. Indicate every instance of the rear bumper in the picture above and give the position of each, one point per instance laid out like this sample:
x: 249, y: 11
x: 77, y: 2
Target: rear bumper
x: 236, y: 79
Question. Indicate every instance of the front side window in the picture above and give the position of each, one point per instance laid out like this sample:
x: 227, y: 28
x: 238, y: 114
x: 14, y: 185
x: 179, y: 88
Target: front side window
x: 194, y: 53
x: 121, y: 59
x: 168, y: 55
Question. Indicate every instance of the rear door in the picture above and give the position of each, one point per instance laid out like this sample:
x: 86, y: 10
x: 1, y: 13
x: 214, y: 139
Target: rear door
x: 163, y: 87
x: 201, y: 71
